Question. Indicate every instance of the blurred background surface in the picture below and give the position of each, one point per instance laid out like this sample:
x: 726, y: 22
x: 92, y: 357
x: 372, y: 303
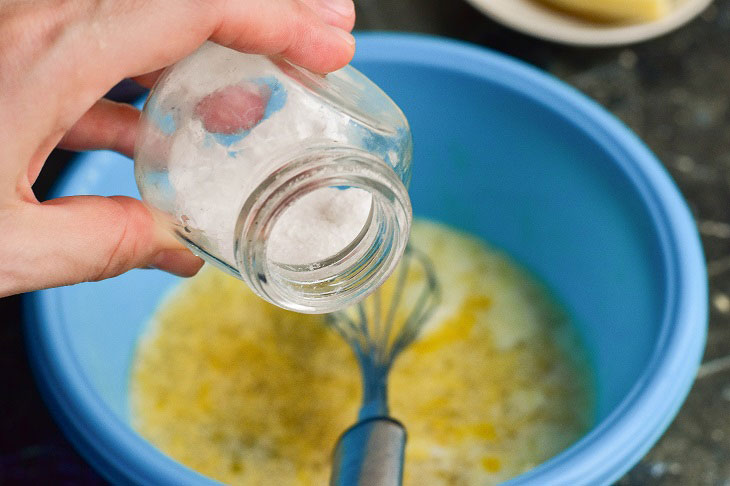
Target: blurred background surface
x: 673, y: 91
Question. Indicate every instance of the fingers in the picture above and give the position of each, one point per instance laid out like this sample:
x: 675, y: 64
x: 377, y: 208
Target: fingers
x: 286, y: 27
x: 132, y: 38
x: 84, y: 238
x: 337, y: 13
x: 107, y: 125
x: 73, y: 52
x: 177, y: 262
x: 148, y: 80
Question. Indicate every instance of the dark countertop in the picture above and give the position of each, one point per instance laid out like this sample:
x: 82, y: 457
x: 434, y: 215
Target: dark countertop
x: 673, y: 91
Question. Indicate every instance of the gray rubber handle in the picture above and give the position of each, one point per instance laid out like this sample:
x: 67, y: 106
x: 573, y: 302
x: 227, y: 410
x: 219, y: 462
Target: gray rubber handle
x: 370, y: 453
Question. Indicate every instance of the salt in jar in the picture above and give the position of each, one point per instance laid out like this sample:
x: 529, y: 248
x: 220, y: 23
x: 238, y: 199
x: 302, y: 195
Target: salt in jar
x: 294, y: 182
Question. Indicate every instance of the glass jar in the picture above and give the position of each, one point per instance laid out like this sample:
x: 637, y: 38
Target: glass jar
x: 294, y: 182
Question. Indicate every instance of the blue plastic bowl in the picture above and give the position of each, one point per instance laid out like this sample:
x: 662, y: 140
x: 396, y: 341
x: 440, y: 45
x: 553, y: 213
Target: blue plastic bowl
x: 502, y: 151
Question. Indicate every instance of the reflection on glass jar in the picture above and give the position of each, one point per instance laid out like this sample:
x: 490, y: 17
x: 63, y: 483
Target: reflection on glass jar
x: 292, y: 181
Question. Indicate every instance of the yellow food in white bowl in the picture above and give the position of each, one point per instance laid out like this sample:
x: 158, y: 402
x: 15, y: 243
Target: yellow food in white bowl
x: 615, y: 10
x: 593, y: 22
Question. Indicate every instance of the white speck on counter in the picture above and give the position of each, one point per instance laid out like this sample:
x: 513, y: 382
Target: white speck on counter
x: 721, y: 302
x: 685, y: 163
x: 675, y: 468
x: 627, y: 59
x: 658, y: 469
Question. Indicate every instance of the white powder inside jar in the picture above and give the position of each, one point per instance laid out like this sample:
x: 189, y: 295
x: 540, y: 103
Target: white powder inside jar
x: 213, y: 179
x: 319, y: 225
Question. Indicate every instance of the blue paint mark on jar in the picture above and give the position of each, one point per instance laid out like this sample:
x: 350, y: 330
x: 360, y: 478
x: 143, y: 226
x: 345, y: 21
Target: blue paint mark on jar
x: 163, y: 120
x: 228, y: 139
x: 277, y: 96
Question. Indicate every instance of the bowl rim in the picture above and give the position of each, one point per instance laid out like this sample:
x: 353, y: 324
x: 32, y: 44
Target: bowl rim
x: 550, y: 25
x: 601, y: 456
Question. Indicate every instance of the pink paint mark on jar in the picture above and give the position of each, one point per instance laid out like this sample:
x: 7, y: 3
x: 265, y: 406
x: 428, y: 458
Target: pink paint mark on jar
x: 233, y: 109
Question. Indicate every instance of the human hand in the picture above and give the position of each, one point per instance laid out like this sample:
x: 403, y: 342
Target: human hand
x: 58, y: 58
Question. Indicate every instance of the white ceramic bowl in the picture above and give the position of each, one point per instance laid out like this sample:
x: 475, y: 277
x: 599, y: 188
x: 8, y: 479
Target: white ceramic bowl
x: 534, y: 19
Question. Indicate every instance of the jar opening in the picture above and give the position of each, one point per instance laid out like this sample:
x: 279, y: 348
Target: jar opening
x: 324, y: 230
x: 319, y: 226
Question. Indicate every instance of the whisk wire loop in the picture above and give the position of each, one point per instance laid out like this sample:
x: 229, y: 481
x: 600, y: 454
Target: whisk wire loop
x: 378, y: 333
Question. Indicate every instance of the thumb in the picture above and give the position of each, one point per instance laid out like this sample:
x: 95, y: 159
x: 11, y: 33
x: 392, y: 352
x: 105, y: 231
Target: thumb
x: 85, y: 238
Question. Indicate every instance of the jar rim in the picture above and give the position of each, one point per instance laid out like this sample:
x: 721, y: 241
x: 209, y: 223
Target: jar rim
x: 352, y: 273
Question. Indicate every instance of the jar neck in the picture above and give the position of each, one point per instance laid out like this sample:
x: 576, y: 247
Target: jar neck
x: 347, y: 276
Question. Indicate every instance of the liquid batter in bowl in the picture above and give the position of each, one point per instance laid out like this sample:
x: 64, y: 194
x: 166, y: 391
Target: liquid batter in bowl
x: 248, y: 393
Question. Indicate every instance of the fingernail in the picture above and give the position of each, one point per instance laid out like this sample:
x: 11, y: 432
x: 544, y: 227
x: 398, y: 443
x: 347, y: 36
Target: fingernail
x: 344, y: 8
x: 178, y: 262
x: 344, y: 35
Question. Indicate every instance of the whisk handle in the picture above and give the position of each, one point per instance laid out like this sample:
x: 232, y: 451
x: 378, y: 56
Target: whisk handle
x: 370, y: 453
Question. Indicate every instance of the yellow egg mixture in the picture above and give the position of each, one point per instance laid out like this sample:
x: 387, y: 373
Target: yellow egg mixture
x: 247, y: 393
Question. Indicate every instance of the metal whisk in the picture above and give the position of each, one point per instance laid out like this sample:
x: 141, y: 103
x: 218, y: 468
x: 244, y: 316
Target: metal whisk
x: 370, y: 453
